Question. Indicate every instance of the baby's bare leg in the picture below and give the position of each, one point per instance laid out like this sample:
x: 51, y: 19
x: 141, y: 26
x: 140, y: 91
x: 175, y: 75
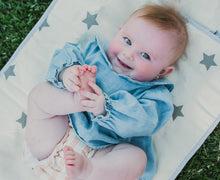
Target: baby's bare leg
x: 119, y: 162
x: 48, y: 107
x: 47, y: 121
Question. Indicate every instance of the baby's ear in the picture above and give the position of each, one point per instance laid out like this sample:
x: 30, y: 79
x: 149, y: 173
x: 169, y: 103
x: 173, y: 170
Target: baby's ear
x: 167, y: 70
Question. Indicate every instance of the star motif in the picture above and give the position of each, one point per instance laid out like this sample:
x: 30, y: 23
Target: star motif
x: 90, y: 20
x: 208, y: 61
x: 9, y: 72
x: 44, y: 24
x: 177, y: 111
x: 217, y: 33
x: 22, y: 120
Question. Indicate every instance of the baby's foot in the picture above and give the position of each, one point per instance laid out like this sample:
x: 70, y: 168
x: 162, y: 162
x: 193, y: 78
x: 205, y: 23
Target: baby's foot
x: 87, y: 73
x: 77, y: 165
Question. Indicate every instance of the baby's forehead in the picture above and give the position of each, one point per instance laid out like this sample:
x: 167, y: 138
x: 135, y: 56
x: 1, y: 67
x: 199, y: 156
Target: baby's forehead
x: 130, y: 23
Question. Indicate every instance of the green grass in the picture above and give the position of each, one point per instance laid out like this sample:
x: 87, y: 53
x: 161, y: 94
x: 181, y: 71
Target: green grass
x: 205, y: 164
x: 17, y: 18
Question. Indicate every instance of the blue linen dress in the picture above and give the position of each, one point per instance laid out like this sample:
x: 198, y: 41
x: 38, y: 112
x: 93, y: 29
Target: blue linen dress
x: 135, y: 110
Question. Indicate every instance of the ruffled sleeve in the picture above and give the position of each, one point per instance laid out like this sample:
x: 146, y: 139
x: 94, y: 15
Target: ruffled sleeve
x: 128, y: 116
x: 71, y: 54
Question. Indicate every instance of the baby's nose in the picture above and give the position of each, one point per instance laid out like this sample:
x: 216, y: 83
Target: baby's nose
x: 128, y: 55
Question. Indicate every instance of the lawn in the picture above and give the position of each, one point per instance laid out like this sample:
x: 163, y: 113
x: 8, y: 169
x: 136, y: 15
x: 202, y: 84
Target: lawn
x: 17, y: 18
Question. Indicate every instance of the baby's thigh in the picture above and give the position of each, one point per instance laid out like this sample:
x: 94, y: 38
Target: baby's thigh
x: 42, y: 135
x: 124, y: 149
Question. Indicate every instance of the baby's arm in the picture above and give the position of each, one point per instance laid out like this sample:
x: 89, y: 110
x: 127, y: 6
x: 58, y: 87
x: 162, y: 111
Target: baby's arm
x: 69, y: 55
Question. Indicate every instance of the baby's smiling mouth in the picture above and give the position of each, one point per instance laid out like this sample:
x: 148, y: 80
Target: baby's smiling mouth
x: 123, y: 65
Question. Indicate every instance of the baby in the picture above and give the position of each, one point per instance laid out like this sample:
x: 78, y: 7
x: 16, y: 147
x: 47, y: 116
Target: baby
x: 115, y: 100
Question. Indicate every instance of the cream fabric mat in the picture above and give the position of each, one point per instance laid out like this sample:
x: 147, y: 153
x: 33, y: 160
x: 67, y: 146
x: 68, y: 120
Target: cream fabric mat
x: 196, y: 94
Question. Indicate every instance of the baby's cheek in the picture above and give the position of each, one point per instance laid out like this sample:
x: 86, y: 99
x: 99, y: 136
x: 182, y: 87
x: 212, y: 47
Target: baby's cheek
x: 115, y: 47
x: 112, y: 49
x: 144, y: 73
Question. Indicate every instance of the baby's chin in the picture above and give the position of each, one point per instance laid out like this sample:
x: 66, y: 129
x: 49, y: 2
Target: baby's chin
x: 129, y: 74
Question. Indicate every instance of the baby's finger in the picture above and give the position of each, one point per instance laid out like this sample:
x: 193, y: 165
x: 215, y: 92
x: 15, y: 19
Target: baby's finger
x: 69, y: 88
x: 96, y: 88
x: 75, y: 79
x: 72, y: 87
x: 75, y: 70
x: 88, y: 103
x: 89, y: 95
x: 75, y: 88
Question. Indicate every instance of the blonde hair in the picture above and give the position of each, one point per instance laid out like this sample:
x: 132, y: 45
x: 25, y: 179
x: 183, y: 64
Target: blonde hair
x: 166, y: 18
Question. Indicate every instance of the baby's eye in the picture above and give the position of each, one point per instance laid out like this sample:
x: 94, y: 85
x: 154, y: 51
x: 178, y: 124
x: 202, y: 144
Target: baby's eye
x: 145, y: 55
x: 127, y: 41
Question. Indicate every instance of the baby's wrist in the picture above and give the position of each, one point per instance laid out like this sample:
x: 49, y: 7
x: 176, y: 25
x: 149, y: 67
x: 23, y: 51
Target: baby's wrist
x: 103, y: 113
x: 60, y: 76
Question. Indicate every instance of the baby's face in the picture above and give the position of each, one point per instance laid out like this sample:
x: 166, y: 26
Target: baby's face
x: 140, y: 50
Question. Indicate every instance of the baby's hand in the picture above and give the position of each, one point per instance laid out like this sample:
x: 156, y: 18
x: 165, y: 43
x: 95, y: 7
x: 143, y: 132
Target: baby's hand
x: 70, y: 78
x: 94, y: 102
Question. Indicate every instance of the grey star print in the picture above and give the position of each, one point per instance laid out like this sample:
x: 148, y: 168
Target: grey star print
x: 208, y: 61
x: 9, y: 72
x: 217, y: 33
x: 44, y: 24
x: 90, y: 20
x: 177, y: 111
x: 22, y: 120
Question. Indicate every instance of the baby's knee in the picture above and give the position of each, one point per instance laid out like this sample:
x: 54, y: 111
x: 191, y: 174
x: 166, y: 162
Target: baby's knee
x: 34, y: 94
x: 34, y: 102
x: 141, y: 159
x: 137, y: 154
